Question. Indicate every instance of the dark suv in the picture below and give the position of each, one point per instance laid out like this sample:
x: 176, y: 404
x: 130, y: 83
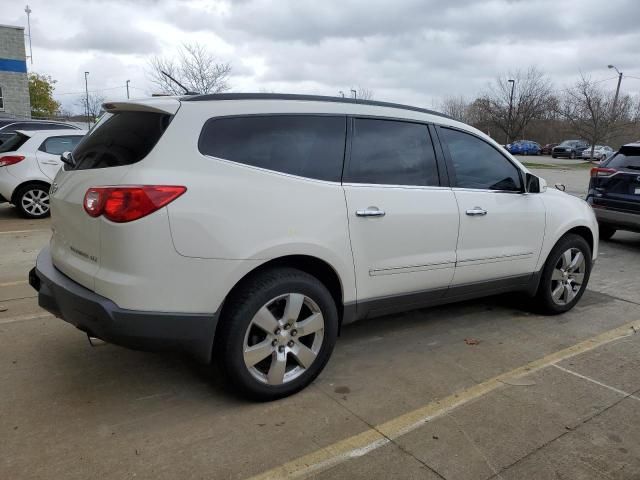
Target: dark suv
x: 8, y: 126
x: 614, y: 191
x: 569, y: 149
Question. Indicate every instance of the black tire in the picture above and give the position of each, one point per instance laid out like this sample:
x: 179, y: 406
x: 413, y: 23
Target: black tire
x: 606, y: 231
x: 573, y: 155
x: 27, y: 193
x: 554, y: 156
x: 544, y: 301
x: 237, y: 315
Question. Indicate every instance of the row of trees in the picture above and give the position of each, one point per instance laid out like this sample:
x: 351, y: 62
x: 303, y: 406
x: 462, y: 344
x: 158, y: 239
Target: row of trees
x: 535, y: 109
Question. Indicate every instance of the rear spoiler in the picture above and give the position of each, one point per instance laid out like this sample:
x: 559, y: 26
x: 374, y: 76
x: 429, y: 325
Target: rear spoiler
x: 156, y: 104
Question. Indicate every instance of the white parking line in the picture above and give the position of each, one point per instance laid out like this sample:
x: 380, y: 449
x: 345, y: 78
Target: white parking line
x: 593, y: 380
x: 11, y: 232
x: 13, y: 284
x: 24, y: 318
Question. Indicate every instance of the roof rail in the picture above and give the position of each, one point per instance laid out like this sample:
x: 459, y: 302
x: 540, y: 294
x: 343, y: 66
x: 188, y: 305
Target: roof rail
x: 309, y: 98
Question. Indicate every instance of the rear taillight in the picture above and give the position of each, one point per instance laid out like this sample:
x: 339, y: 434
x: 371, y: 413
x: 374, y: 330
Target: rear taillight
x: 125, y: 204
x: 602, y: 172
x: 10, y: 160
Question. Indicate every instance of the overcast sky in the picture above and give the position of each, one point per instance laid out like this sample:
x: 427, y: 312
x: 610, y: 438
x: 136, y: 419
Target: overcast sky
x: 408, y: 51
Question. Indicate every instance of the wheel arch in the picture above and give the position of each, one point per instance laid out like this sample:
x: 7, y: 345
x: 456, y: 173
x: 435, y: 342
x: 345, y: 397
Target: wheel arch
x: 584, y: 232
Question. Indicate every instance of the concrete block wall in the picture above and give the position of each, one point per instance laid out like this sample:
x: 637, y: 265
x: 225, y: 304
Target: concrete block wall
x: 15, y: 85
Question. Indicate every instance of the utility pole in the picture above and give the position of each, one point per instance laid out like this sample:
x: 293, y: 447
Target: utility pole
x: 615, y: 99
x: 28, y: 12
x: 341, y: 93
x: 128, y: 89
x: 513, y: 84
x: 86, y: 89
x: 355, y: 94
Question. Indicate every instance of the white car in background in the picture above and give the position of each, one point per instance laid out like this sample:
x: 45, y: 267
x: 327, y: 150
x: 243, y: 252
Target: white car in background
x: 600, y: 152
x: 28, y: 162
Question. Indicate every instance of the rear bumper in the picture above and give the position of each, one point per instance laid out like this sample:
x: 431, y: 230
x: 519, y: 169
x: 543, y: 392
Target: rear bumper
x: 100, y: 317
x: 621, y: 220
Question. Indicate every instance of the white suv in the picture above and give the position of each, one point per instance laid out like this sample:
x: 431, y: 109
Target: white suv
x: 28, y: 162
x: 247, y: 228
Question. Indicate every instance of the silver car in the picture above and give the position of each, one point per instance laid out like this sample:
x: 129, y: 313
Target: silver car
x: 600, y: 152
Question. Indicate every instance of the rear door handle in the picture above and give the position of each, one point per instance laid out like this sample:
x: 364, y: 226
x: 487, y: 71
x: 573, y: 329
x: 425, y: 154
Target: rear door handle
x: 51, y: 162
x: 370, y: 212
x: 476, y: 212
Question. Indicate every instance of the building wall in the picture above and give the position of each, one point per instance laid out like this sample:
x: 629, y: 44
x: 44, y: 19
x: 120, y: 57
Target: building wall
x: 13, y: 73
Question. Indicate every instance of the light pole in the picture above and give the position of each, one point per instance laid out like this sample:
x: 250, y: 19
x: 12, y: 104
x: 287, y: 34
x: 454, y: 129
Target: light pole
x: 615, y: 99
x: 27, y: 10
x: 86, y: 89
x: 128, y: 89
x: 355, y: 94
x: 513, y: 84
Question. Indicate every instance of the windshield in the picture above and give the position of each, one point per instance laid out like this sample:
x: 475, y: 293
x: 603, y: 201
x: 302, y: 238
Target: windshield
x: 13, y: 143
x: 568, y: 143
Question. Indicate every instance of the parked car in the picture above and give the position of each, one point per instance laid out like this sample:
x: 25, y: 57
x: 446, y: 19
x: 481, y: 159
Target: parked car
x: 600, y: 152
x: 569, y: 149
x: 237, y: 227
x: 8, y: 126
x: 546, y: 150
x: 614, y: 191
x: 29, y: 161
x: 524, y: 147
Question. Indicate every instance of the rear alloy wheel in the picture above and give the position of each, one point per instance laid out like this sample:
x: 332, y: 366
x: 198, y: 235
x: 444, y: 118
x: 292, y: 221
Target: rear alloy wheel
x: 606, y: 232
x: 565, y: 275
x: 33, y: 201
x: 277, y: 334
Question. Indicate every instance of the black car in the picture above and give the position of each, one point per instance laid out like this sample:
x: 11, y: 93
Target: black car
x: 8, y: 126
x: 569, y: 149
x: 614, y: 191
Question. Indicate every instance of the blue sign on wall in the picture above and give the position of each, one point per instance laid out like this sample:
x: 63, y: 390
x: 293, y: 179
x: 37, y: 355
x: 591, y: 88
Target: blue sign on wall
x: 9, y: 65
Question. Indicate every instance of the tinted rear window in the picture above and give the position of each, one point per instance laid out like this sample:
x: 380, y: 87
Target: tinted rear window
x: 13, y: 143
x: 120, y: 139
x: 304, y: 145
x: 627, y: 157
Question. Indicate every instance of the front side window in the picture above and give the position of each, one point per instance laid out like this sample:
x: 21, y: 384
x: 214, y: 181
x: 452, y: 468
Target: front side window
x: 478, y: 165
x: 392, y: 153
x: 59, y: 145
x: 303, y: 145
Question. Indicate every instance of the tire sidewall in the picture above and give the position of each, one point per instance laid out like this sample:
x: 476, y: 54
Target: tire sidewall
x: 238, y: 321
x: 544, y: 289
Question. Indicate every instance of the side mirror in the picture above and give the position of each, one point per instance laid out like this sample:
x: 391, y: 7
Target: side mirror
x: 534, y: 184
x: 67, y: 159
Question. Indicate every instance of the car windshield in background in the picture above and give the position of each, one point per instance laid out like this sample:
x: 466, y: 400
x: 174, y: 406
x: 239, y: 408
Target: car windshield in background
x: 13, y: 143
x: 627, y: 157
x: 120, y: 139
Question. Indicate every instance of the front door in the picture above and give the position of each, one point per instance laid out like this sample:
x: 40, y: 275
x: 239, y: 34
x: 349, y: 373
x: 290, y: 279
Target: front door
x: 501, y: 227
x: 403, y: 225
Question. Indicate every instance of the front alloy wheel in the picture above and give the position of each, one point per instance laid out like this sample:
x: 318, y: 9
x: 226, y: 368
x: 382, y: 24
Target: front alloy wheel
x: 283, y: 339
x: 568, y: 276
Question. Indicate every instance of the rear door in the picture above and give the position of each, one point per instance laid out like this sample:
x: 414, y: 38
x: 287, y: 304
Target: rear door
x: 501, y: 228
x: 403, y: 223
x: 103, y: 157
x: 48, y: 154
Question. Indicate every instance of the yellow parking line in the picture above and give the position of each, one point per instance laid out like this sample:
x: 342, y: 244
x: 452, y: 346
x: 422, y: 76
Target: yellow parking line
x: 12, y: 284
x: 382, y: 434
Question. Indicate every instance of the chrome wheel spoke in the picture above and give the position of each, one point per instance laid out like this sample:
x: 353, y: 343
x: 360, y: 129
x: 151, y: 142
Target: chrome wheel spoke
x: 310, y: 325
x: 293, y: 308
x: 568, y: 293
x: 576, y: 262
x: 303, y: 354
x: 257, y: 353
x: 557, y: 275
x: 557, y: 292
x: 278, y: 368
x: 265, y: 320
x: 566, y: 259
x: 578, y: 278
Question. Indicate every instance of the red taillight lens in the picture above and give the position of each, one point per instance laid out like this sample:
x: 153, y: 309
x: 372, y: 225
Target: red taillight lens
x: 125, y: 204
x: 10, y: 160
x: 602, y: 172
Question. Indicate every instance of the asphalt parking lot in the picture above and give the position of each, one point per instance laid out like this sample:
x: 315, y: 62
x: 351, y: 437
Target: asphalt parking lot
x: 481, y: 389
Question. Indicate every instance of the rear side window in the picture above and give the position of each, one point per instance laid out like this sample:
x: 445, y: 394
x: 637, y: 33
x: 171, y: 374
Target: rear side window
x: 478, y: 165
x: 627, y: 157
x: 120, y: 139
x: 59, y: 145
x: 304, y: 145
x: 392, y: 153
x: 13, y: 142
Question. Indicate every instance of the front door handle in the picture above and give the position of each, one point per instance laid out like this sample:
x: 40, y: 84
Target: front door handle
x: 370, y: 212
x: 476, y: 212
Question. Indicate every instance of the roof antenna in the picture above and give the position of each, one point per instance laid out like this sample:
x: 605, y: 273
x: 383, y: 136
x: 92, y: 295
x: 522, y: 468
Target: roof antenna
x: 186, y: 90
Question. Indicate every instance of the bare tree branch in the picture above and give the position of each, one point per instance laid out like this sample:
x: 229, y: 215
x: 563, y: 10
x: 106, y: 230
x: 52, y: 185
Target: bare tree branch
x: 364, y: 93
x: 196, y: 68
